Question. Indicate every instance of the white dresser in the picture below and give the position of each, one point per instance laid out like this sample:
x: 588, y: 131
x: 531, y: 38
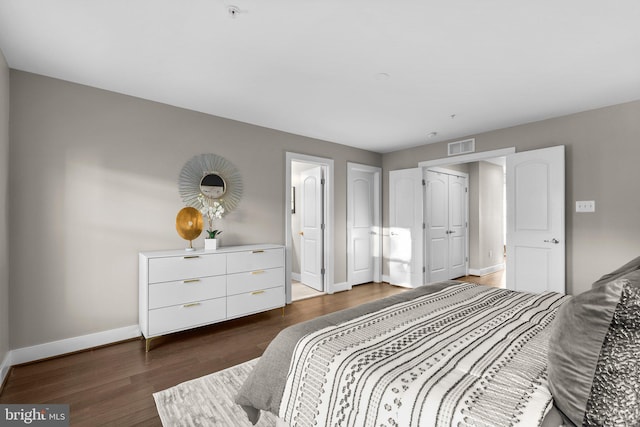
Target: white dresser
x: 181, y: 290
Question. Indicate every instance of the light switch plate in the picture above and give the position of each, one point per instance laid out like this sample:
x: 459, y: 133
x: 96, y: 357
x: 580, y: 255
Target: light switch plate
x: 586, y: 206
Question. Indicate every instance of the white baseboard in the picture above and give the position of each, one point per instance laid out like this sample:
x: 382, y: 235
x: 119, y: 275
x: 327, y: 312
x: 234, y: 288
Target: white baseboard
x: 339, y: 287
x: 296, y: 277
x: 387, y: 279
x: 486, y: 270
x: 69, y: 345
x: 4, y: 367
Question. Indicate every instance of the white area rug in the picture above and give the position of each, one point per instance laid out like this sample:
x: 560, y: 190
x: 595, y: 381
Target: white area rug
x: 208, y: 401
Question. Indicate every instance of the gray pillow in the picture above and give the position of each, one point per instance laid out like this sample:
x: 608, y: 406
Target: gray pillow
x: 616, y: 274
x: 594, y: 352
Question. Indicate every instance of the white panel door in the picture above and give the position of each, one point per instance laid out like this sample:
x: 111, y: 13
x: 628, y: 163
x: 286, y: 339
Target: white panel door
x: 457, y: 226
x: 362, y: 226
x: 437, y: 223
x: 535, y: 221
x: 446, y: 225
x: 311, y: 211
x: 405, y: 228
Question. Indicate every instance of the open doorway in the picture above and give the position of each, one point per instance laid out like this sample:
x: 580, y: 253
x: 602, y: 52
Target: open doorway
x: 487, y: 222
x: 308, y: 226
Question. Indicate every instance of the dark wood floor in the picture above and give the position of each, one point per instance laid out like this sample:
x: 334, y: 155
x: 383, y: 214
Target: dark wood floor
x: 112, y: 385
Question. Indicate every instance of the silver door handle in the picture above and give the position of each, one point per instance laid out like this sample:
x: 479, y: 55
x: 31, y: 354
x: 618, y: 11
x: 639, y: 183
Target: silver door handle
x: 554, y: 241
x: 373, y: 232
x: 449, y: 231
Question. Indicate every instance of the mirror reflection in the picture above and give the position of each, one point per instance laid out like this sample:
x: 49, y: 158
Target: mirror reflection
x: 212, y: 185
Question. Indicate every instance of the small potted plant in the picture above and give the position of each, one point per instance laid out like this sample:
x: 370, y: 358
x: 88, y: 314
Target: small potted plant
x: 211, y: 209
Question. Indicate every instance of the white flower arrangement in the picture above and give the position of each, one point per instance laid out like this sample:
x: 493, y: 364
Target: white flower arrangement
x: 212, y: 209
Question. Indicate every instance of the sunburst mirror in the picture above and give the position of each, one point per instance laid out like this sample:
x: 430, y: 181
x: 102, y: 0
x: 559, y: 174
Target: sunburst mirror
x: 213, y: 177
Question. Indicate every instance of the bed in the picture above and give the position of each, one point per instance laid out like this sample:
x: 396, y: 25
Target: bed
x: 450, y: 353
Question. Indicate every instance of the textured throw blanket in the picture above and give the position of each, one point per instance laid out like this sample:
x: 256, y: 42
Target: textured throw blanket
x: 467, y: 355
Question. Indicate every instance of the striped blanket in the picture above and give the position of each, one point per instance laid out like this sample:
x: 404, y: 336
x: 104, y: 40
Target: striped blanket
x: 467, y: 355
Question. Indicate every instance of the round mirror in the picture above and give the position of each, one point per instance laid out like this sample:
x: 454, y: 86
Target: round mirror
x: 212, y: 185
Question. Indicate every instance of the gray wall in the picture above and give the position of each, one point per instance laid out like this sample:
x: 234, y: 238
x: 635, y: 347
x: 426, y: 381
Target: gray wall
x: 4, y: 224
x: 94, y: 181
x: 485, y: 215
x: 602, y: 153
x: 490, y: 220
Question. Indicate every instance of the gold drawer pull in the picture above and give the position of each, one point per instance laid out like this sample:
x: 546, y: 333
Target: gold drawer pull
x: 257, y: 272
x: 191, y: 257
x: 193, y: 304
x: 191, y: 281
x: 257, y: 292
x: 259, y: 251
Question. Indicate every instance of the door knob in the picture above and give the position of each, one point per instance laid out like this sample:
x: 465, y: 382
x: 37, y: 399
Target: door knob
x: 554, y: 241
x: 301, y: 233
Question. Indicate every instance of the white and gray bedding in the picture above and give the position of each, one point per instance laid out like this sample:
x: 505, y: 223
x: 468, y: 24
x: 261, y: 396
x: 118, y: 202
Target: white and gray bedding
x: 444, y: 354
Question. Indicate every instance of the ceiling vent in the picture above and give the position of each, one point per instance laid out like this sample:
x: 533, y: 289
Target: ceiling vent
x: 462, y: 147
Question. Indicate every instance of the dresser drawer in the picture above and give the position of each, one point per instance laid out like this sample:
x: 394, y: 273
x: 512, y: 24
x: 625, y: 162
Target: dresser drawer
x: 185, y: 316
x: 256, y: 301
x: 254, y: 260
x: 241, y: 283
x: 186, y: 267
x: 172, y: 293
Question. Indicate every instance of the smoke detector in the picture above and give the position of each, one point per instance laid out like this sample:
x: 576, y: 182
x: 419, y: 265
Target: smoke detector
x: 233, y: 11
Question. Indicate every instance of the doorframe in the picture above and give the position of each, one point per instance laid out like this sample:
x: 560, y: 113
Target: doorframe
x: 467, y: 158
x: 446, y: 171
x: 328, y: 215
x: 377, y: 219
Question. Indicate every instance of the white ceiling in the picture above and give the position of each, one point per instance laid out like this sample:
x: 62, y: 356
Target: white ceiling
x: 319, y: 67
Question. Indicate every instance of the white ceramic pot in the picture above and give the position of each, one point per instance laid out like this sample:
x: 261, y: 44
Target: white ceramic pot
x: 210, y: 244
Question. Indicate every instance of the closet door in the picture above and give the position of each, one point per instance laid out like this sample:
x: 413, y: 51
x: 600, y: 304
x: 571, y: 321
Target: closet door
x: 457, y: 226
x: 446, y: 225
x: 363, y: 223
x: 405, y: 228
x: 437, y: 225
